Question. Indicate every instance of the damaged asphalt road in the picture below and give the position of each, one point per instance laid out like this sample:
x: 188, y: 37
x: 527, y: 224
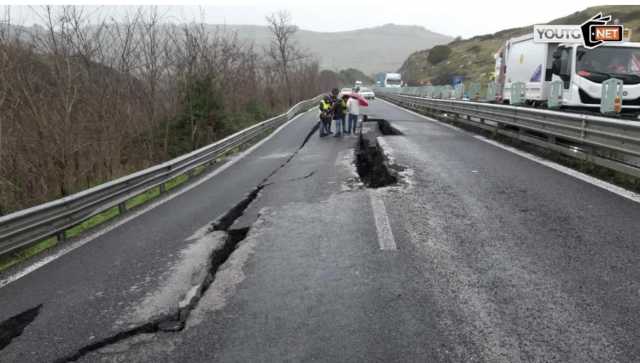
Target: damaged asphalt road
x: 415, y: 243
x: 153, y: 264
x: 269, y: 274
x: 491, y: 262
x: 217, y: 257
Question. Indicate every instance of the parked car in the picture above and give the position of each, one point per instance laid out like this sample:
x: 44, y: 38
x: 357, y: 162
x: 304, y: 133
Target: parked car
x: 367, y: 93
x: 346, y: 90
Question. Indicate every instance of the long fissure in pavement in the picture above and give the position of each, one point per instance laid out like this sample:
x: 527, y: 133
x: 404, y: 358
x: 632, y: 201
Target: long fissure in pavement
x: 176, y: 322
x: 371, y: 162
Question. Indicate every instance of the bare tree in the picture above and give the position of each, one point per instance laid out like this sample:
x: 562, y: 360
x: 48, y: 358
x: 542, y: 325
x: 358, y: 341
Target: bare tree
x: 85, y: 99
x: 282, y: 49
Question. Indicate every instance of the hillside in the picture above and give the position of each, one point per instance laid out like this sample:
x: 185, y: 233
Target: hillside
x: 378, y: 49
x: 473, y: 58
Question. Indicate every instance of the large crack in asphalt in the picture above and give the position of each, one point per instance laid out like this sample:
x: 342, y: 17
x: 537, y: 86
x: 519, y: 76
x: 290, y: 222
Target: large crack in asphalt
x: 14, y: 326
x: 315, y: 128
x: 175, y: 322
x: 371, y: 162
x: 386, y: 128
x: 226, y: 221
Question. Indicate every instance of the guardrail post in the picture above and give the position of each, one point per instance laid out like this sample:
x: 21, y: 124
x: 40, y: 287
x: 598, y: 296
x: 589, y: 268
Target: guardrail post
x: 61, y: 236
x: 429, y: 92
x: 459, y: 91
x: 122, y: 208
x: 518, y: 95
x: 424, y: 90
x: 474, y: 91
x: 496, y: 129
x: 491, y: 92
x: 447, y: 92
x: 521, y: 131
x: 555, y: 94
x: 611, y: 98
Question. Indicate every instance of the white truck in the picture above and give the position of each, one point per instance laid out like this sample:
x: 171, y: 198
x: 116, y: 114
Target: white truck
x: 581, y: 71
x: 392, y: 80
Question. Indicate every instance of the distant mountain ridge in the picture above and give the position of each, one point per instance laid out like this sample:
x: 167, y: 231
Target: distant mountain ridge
x: 371, y: 50
x: 377, y: 49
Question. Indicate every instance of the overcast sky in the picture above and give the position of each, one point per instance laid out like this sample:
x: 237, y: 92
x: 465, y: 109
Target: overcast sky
x: 450, y: 17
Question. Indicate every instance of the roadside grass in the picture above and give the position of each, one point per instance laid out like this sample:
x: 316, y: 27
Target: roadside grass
x: 180, y: 179
x: 143, y: 198
x: 199, y: 170
x: 92, y: 222
x: 15, y: 258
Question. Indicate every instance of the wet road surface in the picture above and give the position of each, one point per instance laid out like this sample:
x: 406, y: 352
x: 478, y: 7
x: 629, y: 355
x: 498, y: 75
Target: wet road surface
x: 476, y: 254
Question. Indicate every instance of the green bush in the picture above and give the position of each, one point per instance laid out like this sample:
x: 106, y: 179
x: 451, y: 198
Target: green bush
x: 475, y: 48
x: 438, y: 54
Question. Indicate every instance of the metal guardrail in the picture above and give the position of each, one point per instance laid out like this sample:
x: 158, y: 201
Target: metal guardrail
x: 28, y: 226
x: 604, y: 141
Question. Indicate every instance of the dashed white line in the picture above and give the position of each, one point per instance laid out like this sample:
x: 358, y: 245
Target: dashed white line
x: 563, y: 169
x: 83, y: 241
x: 383, y: 227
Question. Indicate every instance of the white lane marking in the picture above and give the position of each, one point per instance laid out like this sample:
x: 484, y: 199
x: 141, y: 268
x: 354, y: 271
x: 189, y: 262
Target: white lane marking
x: 83, y: 241
x: 383, y: 227
x: 563, y: 169
x: 568, y: 171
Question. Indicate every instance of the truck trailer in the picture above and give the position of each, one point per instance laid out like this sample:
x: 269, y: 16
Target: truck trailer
x: 393, y: 80
x: 581, y: 71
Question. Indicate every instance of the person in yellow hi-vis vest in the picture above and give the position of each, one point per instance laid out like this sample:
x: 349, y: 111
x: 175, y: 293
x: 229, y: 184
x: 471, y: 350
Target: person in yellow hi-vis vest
x: 326, y: 113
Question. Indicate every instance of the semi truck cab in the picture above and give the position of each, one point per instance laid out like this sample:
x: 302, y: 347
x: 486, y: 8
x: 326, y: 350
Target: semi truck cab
x: 582, y: 72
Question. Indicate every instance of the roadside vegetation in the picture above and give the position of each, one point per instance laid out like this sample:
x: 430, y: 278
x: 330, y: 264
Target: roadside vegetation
x: 473, y: 59
x: 85, y: 99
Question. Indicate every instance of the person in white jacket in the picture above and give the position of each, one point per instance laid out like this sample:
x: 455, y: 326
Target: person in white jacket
x: 353, y: 109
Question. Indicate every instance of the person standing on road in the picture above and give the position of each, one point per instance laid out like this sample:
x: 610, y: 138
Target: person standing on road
x: 325, y: 116
x: 339, y: 112
x: 353, y: 111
